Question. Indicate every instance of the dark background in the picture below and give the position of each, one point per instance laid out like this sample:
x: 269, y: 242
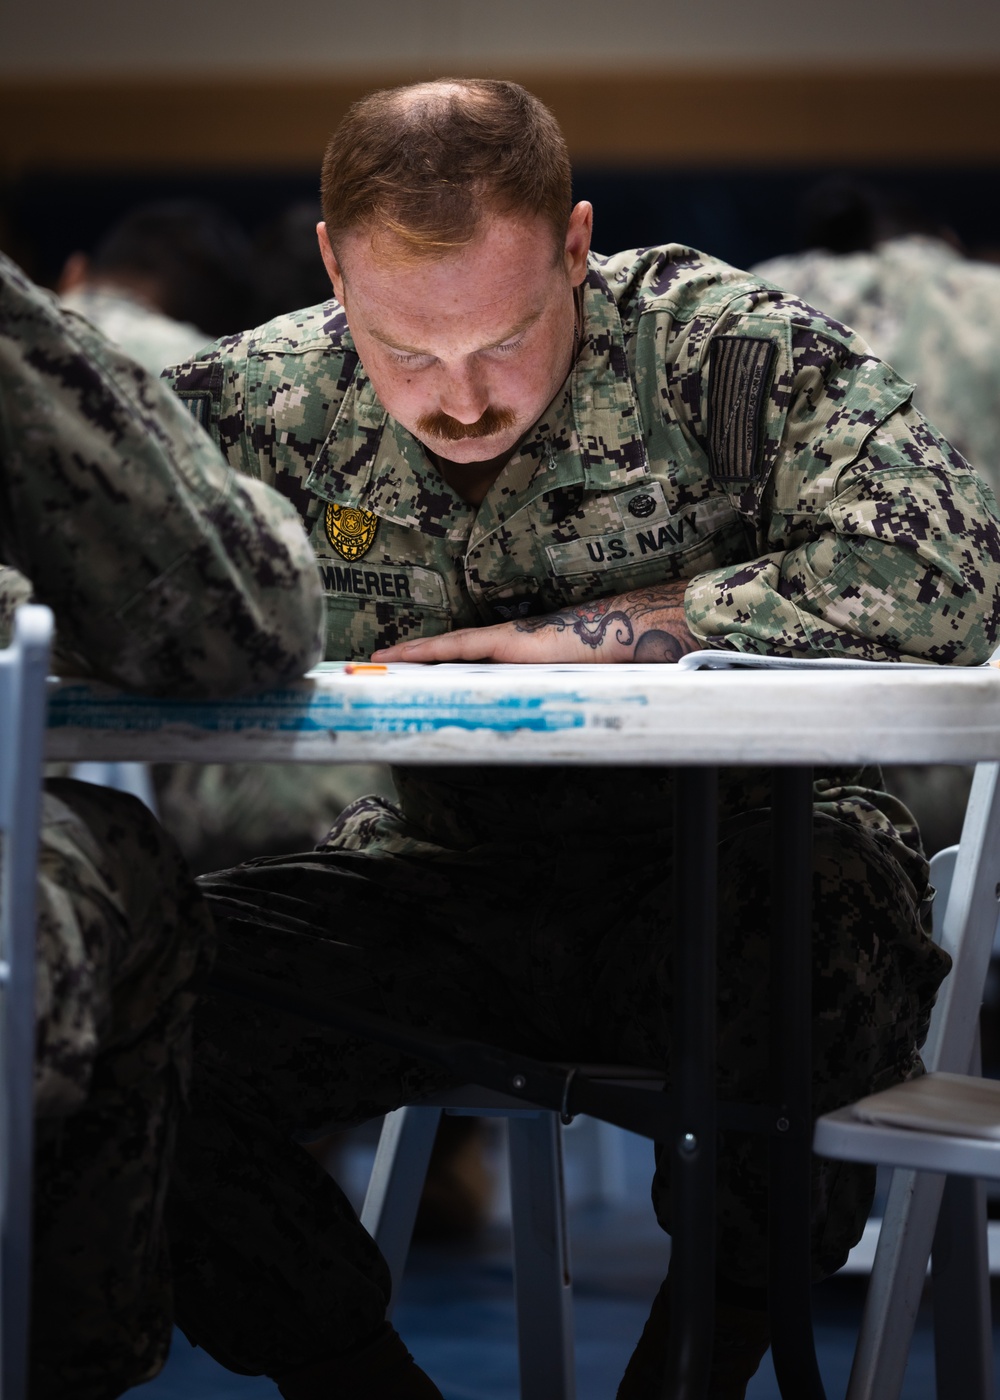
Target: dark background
x: 741, y: 215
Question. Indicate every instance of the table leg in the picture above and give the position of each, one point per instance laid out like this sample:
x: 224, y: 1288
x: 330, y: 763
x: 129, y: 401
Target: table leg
x: 692, y: 1258
x: 793, y: 1346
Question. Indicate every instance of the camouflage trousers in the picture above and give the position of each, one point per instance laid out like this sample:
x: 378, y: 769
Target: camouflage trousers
x: 123, y: 938
x: 561, y: 954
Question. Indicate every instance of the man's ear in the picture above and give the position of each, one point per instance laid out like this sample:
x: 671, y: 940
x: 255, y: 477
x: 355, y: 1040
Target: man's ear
x: 330, y: 262
x: 76, y: 271
x: 581, y: 224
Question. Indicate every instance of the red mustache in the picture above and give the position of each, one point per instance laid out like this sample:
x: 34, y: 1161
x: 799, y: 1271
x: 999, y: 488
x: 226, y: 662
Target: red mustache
x: 448, y: 429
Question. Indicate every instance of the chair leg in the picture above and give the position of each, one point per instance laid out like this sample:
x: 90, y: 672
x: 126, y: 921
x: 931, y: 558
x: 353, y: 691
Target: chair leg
x: 897, y: 1281
x: 542, y: 1279
x: 963, y: 1340
x: 396, y: 1183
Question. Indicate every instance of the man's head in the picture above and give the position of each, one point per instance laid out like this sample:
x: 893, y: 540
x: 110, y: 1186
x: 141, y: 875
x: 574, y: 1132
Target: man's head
x: 419, y: 168
x: 184, y: 257
x: 452, y: 243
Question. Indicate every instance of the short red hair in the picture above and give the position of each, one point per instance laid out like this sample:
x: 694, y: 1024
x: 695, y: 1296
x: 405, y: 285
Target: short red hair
x: 425, y: 164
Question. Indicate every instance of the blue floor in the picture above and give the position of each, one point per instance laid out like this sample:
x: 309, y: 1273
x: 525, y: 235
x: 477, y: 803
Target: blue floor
x: 456, y: 1312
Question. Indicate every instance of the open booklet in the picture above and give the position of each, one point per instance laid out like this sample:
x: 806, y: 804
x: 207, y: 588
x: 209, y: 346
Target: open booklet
x: 707, y: 660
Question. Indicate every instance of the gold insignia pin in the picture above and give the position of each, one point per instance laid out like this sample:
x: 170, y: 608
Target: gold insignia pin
x: 350, y: 531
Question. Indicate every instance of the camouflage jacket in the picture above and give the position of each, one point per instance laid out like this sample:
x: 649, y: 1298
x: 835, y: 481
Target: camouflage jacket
x: 167, y: 571
x: 932, y: 314
x: 711, y: 428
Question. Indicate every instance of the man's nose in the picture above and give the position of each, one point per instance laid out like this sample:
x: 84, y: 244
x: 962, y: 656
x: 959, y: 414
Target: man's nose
x: 465, y: 393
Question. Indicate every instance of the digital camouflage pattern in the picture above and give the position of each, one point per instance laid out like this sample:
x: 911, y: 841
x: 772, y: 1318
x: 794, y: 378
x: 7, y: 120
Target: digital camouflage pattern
x: 813, y: 508
x: 228, y: 811
x: 167, y: 571
x: 932, y: 314
x: 648, y: 465
x: 224, y: 813
x: 123, y: 947
x: 711, y: 429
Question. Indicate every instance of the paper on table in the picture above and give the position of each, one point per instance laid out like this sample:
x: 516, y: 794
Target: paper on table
x: 492, y: 668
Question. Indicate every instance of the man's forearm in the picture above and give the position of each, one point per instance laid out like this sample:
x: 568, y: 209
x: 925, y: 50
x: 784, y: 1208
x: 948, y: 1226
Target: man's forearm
x: 646, y: 624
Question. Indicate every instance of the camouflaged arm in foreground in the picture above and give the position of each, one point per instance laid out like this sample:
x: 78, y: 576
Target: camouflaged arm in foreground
x: 166, y: 570
x: 15, y: 589
x: 874, y: 537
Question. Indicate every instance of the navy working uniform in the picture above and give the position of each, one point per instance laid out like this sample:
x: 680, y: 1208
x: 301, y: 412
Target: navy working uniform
x: 711, y: 428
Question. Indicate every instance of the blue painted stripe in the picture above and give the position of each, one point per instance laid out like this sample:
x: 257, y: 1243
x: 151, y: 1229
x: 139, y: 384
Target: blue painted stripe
x: 294, y: 711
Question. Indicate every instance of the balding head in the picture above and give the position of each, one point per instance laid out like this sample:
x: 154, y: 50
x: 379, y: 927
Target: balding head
x: 419, y: 168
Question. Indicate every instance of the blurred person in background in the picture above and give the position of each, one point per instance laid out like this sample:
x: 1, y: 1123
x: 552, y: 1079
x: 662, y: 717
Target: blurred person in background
x: 901, y: 280
x: 164, y: 280
x: 284, y: 266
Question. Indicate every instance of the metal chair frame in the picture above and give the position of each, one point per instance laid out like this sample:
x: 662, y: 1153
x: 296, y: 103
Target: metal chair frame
x: 23, y: 676
x: 924, y: 1215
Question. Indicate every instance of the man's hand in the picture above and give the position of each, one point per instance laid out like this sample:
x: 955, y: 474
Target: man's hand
x: 645, y: 625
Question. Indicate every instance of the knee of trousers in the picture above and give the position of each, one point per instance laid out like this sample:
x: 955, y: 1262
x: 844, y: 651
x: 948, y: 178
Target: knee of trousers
x: 124, y: 942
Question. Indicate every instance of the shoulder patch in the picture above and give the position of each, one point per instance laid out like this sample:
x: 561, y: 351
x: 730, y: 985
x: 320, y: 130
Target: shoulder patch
x: 198, y: 403
x: 739, y: 377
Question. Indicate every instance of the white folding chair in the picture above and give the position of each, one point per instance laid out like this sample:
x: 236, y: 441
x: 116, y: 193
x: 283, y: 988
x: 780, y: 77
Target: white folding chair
x: 23, y: 672
x: 540, y: 1244
x: 915, y: 1223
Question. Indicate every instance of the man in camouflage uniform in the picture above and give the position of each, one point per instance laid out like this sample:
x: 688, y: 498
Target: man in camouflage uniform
x: 169, y: 573
x: 506, y: 449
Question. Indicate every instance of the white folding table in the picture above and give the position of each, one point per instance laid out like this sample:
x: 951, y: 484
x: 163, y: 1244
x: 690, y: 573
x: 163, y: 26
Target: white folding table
x: 672, y: 715
x: 689, y: 719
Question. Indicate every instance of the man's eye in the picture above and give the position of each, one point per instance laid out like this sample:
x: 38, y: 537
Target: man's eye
x: 403, y: 357
x: 509, y: 345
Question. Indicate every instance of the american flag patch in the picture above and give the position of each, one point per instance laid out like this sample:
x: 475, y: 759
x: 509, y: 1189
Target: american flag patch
x: 739, y: 376
x: 198, y: 403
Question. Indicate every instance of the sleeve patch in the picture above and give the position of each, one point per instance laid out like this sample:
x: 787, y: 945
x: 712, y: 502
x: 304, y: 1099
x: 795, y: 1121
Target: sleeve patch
x: 198, y: 403
x: 738, y: 380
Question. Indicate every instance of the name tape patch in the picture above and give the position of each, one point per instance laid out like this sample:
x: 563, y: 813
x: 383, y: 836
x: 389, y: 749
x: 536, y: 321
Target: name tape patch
x: 392, y: 583
x: 670, y: 536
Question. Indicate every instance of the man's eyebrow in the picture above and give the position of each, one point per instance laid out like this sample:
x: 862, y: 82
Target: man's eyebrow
x: 517, y: 330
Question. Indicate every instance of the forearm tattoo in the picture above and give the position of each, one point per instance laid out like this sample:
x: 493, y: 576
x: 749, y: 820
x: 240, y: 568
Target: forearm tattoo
x: 655, y: 645
x: 642, y: 619
x: 590, y: 622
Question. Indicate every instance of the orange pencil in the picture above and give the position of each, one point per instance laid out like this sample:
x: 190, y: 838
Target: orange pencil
x: 353, y: 666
